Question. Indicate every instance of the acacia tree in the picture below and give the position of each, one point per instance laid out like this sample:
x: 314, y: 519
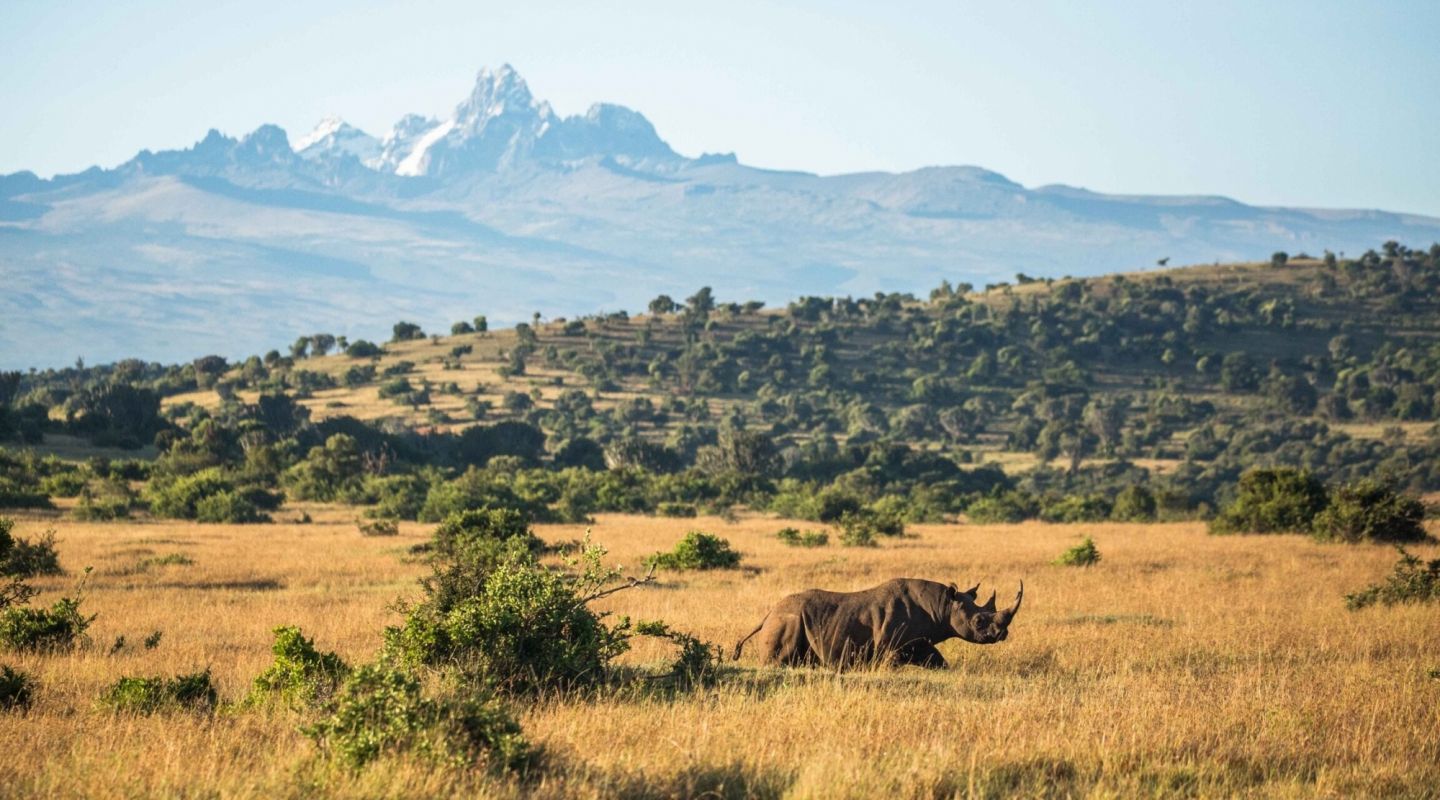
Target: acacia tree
x: 321, y: 344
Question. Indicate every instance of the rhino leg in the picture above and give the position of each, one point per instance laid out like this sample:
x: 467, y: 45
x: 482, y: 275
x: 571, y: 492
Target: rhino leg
x: 782, y: 641
x: 920, y: 654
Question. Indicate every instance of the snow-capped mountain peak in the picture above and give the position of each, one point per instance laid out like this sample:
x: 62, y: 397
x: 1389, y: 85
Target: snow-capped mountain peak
x: 334, y: 137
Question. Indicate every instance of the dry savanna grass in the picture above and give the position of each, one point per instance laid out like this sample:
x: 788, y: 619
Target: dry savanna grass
x: 1181, y: 665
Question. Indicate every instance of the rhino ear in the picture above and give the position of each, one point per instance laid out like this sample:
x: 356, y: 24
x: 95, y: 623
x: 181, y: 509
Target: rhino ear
x: 973, y: 591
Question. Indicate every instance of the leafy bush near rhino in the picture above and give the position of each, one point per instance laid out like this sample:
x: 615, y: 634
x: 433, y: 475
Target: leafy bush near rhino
x: 385, y: 710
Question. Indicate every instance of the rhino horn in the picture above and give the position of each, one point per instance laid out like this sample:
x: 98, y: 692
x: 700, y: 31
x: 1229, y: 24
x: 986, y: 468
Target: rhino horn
x: 1004, y: 617
x: 989, y: 605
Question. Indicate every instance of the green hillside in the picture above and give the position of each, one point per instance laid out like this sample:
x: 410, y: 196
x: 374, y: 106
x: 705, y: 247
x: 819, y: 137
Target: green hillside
x: 1175, y: 379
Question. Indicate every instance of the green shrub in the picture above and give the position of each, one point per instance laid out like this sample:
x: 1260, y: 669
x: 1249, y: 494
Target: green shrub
x: 378, y: 527
x: 205, y: 496
x: 1412, y: 581
x: 1134, y: 504
x: 382, y: 710
x: 519, y: 626
x: 467, y: 547
x: 1003, y: 507
x: 63, y: 484
x: 797, y: 538
x: 228, y: 507
x: 698, y: 550
x: 300, y: 676
x: 1076, y: 508
x: 60, y: 627
x: 361, y: 348
x: 1272, y: 501
x: 463, y: 528
x: 832, y: 504
x: 697, y: 662
x: 104, y: 500
x: 14, y: 494
x: 21, y: 558
x: 396, y: 496
x: 680, y: 510
x: 1368, y: 510
x: 17, y: 689
x: 193, y: 692
x: 860, y: 528
x: 1081, y: 555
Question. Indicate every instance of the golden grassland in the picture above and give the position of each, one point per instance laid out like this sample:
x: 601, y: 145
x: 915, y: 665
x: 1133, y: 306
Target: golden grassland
x: 1181, y: 665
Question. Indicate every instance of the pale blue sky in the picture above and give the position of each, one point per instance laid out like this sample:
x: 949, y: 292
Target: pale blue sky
x: 1298, y: 103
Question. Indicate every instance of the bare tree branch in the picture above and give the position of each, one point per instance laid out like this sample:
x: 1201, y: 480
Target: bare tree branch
x: 634, y: 581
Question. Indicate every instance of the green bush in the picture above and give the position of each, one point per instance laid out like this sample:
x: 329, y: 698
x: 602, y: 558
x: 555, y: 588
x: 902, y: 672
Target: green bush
x: 797, y: 538
x: 860, y: 528
x: 396, y: 496
x: 383, y: 711
x: 1134, y: 504
x: 205, y: 496
x: 1368, y: 510
x: 468, y: 547
x: 1272, y: 501
x: 300, y: 676
x: 63, y: 484
x: 379, y: 527
x: 698, y: 550
x: 17, y: 689
x: 460, y: 529
x: 1412, y: 581
x: 1004, y: 507
x: 193, y: 692
x: 519, y: 626
x: 228, y: 508
x: 21, y: 558
x: 1076, y: 508
x: 680, y: 510
x: 698, y: 663
x: 1081, y: 555
x: 60, y: 627
x: 333, y: 471
x: 104, y: 500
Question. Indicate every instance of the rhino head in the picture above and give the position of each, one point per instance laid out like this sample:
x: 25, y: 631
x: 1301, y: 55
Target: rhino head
x: 980, y: 623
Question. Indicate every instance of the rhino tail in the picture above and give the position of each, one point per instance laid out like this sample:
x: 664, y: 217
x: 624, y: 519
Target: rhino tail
x: 735, y: 654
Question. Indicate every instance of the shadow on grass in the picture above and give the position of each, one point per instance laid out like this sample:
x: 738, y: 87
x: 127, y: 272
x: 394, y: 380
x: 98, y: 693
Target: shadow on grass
x: 719, y: 781
x: 1145, y: 620
x: 255, y: 585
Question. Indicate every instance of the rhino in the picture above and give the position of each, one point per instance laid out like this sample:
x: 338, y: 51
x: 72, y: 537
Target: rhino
x: 898, y: 622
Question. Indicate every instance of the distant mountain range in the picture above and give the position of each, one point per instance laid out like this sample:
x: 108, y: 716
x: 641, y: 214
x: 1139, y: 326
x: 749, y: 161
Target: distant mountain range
x: 505, y: 208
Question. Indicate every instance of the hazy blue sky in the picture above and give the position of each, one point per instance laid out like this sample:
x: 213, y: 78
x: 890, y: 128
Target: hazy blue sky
x: 1298, y: 103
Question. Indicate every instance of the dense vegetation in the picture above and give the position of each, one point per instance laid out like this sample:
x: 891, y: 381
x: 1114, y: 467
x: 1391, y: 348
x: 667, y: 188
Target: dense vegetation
x: 1126, y: 397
